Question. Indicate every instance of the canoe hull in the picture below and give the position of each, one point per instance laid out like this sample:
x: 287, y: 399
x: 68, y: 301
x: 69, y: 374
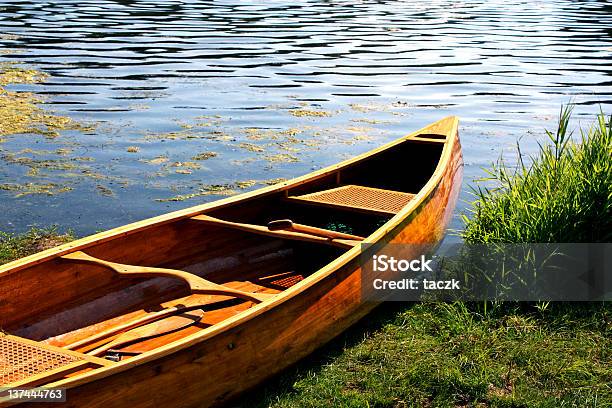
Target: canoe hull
x: 212, y: 371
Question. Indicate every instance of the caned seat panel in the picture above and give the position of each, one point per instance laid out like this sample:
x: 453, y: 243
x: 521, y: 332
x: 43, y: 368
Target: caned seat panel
x: 24, y: 361
x: 359, y: 198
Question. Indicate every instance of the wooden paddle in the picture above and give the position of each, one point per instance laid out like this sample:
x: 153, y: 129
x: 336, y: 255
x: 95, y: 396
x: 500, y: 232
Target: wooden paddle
x: 288, y: 225
x: 89, y: 343
x: 158, y: 328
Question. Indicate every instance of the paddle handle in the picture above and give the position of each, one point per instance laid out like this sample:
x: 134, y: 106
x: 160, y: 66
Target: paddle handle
x: 288, y: 225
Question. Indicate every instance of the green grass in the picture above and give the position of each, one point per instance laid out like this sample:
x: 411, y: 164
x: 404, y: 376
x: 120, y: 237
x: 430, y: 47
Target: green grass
x: 454, y: 355
x: 564, y: 195
x: 14, y: 246
x: 485, y: 354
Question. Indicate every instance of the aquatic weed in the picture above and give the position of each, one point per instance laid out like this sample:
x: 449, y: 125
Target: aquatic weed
x: 564, y: 195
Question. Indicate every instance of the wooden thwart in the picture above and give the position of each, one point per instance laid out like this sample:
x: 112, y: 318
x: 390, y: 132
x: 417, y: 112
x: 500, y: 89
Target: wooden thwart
x: 196, y: 283
x: 258, y: 229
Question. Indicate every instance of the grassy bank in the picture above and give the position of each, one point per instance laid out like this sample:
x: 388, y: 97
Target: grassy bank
x: 455, y: 355
x: 486, y: 355
x: 563, y: 195
x: 14, y: 246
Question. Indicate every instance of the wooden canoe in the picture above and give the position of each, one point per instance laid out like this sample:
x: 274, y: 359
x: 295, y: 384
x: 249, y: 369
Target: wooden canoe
x: 269, y: 296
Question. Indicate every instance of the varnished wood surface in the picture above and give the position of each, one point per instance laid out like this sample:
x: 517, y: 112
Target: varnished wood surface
x: 196, y: 283
x: 300, y: 236
x: 237, y: 352
x: 162, y: 327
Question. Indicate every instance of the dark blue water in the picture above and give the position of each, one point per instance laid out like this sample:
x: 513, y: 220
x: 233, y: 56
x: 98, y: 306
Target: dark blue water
x: 177, y: 79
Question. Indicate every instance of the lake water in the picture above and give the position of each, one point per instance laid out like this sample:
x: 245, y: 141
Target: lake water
x: 192, y: 99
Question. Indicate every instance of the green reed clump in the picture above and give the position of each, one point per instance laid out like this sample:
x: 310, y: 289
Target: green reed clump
x: 564, y: 195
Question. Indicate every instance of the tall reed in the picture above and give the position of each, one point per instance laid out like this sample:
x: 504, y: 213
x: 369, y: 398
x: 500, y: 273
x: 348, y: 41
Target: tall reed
x: 563, y: 195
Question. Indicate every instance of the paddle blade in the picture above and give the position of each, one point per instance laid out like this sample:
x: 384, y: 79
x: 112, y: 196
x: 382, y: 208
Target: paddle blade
x: 155, y: 329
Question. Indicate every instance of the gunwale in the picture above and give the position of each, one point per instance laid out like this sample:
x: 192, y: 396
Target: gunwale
x: 450, y: 126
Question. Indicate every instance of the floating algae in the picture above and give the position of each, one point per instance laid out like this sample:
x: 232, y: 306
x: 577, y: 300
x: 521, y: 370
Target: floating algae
x: 288, y: 146
x: 221, y: 189
x: 281, y: 158
x: 204, y: 156
x: 285, y: 140
x: 373, y: 121
x: 59, y: 152
x: 271, y: 182
x: 105, y: 191
x: 205, y: 190
x: 246, y: 184
x: 178, y: 135
x: 60, y: 166
x: 187, y: 165
x: 362, y: 137
x: 299, y: 113
x: 85, y: 173
x: 33, y: 188
x: 20, y: 111
x: 242, y: 162
x: 10, y: 73
x: 138, y: 107
x: 270, y: 134
x: 380, y: 107
x: 188, y: 134
x: 251, y: 147
x: 202, y: 121
x: 42, y: 167
x: 156, y: 160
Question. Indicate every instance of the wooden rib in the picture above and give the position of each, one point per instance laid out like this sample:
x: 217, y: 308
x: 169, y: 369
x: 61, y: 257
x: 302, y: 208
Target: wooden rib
x: 258, y: 229
x: 196, y: 283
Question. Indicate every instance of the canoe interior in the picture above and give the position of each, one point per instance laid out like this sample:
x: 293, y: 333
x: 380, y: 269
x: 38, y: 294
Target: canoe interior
x: 59, y: 303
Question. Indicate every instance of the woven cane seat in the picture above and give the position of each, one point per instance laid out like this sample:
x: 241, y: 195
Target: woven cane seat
x: 360, y: 198
x: 23, y: 361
